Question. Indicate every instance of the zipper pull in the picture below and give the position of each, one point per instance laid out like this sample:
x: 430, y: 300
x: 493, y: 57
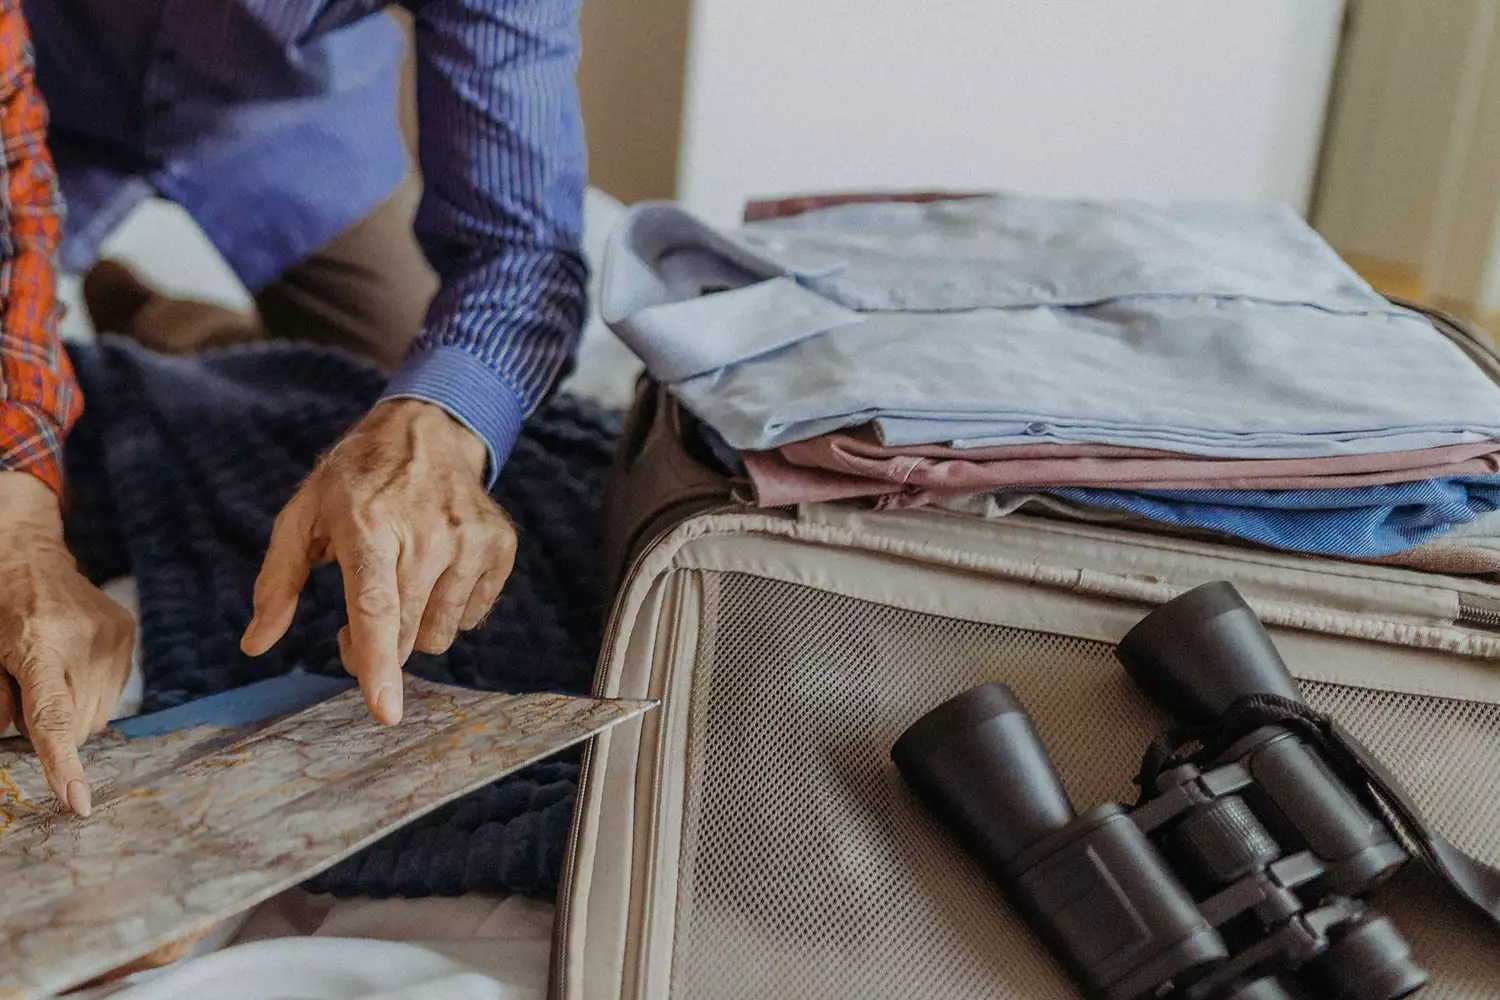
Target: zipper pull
x: 1478, y: 611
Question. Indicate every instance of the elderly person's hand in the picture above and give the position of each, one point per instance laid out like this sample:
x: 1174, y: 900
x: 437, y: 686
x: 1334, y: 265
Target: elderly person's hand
x: 400, y: 503
x: 64, y: 646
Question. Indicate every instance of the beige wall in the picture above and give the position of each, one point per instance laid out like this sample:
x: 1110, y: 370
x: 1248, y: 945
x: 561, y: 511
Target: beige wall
x: 631, y: 85
x: 1410, y: 185
x: 1402, y: 76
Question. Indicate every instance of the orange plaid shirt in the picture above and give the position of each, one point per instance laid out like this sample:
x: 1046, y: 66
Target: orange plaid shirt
x: 39, y: 399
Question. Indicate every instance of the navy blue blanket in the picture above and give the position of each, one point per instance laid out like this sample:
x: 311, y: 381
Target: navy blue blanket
x: 176, y: 472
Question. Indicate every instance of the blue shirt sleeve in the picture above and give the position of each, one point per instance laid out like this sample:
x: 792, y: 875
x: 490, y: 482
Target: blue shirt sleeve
x: 501, y: 219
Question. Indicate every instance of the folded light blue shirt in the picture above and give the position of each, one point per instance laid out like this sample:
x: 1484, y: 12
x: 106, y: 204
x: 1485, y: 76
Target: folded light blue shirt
x: 1209, y: 330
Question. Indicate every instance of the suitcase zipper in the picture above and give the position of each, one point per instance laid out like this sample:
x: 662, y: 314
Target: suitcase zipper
x: 1473, y: 609
x: 557, y: 989
x: 1478, y: 611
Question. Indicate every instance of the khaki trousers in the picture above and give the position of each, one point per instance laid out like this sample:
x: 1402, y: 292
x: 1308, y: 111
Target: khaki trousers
x: 367, y: 291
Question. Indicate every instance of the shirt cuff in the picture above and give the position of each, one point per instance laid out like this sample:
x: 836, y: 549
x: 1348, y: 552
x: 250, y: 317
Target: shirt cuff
x: 470, y: 392
x: 31, y: 442
x: 49, y: 471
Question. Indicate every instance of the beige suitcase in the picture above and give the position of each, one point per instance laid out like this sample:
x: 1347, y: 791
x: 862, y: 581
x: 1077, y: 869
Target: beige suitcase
x: 751, y: 839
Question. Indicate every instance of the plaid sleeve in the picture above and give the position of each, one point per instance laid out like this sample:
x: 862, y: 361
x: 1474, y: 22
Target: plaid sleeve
x: 39, y: 398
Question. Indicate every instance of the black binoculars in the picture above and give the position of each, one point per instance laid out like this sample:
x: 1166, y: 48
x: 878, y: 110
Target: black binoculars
x: 1238, y: 877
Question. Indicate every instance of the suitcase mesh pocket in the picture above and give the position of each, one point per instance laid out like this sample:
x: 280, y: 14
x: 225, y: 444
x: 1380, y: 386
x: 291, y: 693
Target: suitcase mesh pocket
x: 808, y: 871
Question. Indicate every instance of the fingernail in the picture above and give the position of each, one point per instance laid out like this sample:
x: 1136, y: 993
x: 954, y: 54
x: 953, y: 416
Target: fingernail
x: 250, y: 641
x: 79, y: 799
x: 388, y: 704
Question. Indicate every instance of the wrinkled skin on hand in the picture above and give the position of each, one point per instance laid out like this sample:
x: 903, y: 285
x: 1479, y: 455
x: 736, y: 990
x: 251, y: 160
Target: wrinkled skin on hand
x: 65, y: 647
x: 400, y: 504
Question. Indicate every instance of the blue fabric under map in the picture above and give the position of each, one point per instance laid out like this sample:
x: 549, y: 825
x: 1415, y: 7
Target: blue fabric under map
x: 176, y: 473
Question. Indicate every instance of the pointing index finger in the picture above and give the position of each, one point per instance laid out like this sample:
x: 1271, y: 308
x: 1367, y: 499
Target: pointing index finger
x: 47, y: 710
x: 373, y: 599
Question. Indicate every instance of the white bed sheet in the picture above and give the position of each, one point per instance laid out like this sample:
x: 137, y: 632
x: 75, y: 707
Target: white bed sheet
x: 474, y: 947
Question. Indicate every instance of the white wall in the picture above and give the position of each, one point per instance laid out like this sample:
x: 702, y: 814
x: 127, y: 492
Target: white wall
x: 166, y: 249
x: 1212, y: 99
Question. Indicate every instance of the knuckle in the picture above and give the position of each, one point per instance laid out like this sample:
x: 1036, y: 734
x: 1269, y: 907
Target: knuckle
x: 477, y: 613
x: 474, y: 533
x: 290, y: 514
x: 488, y: 590
x: 461, y: 580
x: 446, y: 613
x: 480, y: 607
x: 117, y: 617
x: 276, y: 578
x: 438, y: 636
x: 434, y: 644
x: 42, y: 653
x: 376, y: 602
x: 371, y: 515
x: 437, y: 547
x: 505, y: 544
x: 50, y: 714
x: 381, y: 510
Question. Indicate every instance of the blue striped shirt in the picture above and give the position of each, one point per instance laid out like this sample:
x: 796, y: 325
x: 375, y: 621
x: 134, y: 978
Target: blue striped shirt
x: 274, y: 124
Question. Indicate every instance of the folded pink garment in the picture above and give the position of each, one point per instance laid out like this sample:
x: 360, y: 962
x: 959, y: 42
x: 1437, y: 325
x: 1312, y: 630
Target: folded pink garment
x: 780, y: 208
x: 847, y: 466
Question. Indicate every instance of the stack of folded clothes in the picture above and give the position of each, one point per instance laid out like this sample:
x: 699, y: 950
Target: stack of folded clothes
x: 1197, y: 368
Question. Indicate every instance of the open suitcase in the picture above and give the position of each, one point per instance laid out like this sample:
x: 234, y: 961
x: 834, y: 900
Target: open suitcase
x: 752, y: 839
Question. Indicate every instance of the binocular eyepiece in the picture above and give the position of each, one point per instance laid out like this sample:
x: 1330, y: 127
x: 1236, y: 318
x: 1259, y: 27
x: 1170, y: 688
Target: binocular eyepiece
x: 1237, y: 880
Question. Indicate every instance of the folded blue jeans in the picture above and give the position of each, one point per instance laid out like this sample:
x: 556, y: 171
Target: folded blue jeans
x: 1353, y: 523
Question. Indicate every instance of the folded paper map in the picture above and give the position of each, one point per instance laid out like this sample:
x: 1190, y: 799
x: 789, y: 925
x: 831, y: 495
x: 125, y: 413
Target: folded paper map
x: 193, y: 826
